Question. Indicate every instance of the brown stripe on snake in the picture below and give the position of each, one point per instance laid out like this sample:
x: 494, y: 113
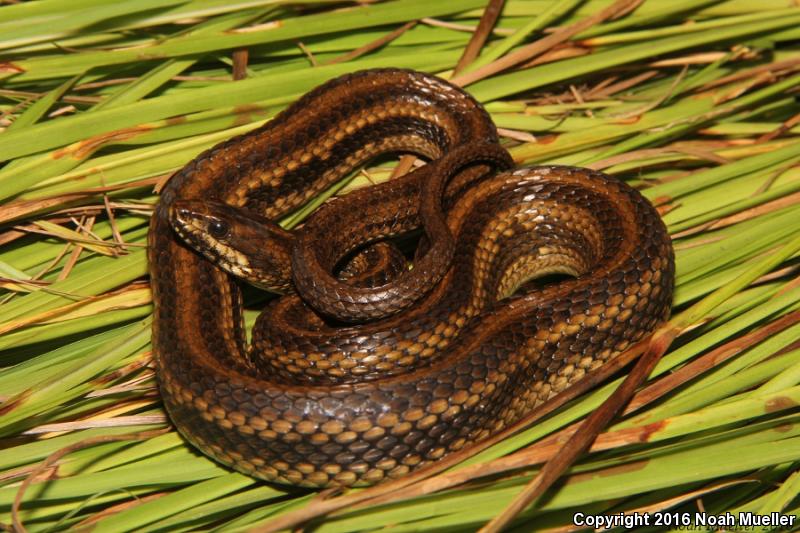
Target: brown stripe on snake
x: 317, y: 404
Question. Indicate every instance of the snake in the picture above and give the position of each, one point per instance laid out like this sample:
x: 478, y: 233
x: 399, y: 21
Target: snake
x: 378, y: 358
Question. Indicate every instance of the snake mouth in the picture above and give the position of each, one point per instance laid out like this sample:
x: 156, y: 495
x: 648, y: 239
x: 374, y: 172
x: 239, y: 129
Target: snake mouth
x: 181, y: 216
x: 196, y: 224
x: 247, y: 246
x: 187, y: 225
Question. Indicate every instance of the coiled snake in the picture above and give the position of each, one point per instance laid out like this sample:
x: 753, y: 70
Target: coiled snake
x: 367, y: 369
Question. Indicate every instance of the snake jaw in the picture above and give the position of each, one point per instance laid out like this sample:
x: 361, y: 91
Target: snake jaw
x: 208, y: 233
x: 243, y: 244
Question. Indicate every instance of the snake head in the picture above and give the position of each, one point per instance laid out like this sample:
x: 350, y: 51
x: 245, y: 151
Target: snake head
x: 238, y: 241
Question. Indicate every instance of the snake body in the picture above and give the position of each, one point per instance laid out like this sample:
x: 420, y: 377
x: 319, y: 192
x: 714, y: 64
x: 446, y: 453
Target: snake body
x: 471, y: 350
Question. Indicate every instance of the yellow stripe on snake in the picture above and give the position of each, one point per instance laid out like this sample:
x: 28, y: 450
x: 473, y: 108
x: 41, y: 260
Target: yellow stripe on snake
x: 365, y: 369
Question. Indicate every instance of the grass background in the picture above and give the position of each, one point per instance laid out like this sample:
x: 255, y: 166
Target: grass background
x: 695, y: 102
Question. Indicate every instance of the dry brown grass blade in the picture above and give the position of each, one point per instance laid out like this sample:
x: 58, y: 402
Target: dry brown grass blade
x: 114, y: 509
x: 559, y: 52
x: 787, y: 65
x: 541, y: 46
x: 710, y: 360
x: 522, y: 136
x: 374, y: 45
x: 76, y: 252
x: 240, y: 58
x: 636, y: 113
x: 112, y: 220
x: 404, y: 166
x: 705, y: 58
x: 783, y: 128
x: 436, y: 23
x: 610, y: 86
x: 51, y: 229
x: 117, y: 421
x: 655, y: 152
x: 306, y: 52
x: 67, y: 98
x: 22, y: 209
x: 26, y: 208
x: 50, y: 314
x: 481, y: 34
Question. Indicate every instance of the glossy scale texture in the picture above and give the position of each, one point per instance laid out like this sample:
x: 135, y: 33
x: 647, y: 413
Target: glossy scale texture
x: 315, y: 404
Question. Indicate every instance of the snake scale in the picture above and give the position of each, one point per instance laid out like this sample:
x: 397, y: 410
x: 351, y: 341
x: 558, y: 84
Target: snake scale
x: 365, y: 369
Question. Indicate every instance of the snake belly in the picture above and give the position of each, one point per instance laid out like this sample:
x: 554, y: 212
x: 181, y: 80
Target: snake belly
x: 484, y: 369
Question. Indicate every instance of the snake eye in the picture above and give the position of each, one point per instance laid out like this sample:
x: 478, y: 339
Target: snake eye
x: 218, y: 229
